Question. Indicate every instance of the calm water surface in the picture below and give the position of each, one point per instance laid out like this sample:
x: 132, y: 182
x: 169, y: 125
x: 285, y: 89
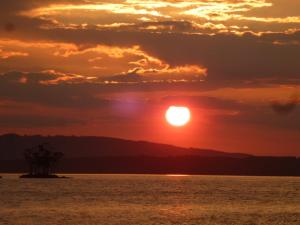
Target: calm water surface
x: 149, y: 199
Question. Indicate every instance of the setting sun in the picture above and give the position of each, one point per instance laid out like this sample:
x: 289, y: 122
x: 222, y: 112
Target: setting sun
x: 178, y: 116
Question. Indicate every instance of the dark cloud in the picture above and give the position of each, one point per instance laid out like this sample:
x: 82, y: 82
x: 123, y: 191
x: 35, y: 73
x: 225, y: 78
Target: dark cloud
x: 81, y: 94
x: 13, y: 20
x: 36, y: 121
x: 227, y: 57
x: 14, y: 6
x: 170, y: 26
x: 9, y: 27
x: 285, y: 108
x: 205, y: 102
x: 262, y: 116
x: 27, y: 87
x: 129, y: 77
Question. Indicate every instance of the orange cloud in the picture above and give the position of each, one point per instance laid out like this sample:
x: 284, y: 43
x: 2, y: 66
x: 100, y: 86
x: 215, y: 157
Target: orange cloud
x: 155, y: 69
x: 113, y: 8
x: 9, y: 54
x: 100, y: 61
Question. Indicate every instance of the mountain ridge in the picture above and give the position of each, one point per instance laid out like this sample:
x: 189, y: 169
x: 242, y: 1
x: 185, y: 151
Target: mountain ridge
x: 13, y: 145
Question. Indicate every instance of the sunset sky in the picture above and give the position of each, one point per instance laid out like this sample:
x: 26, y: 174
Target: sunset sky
x: 112, y: 68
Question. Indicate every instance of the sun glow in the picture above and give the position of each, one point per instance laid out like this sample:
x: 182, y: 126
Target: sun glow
x: 178, y: 116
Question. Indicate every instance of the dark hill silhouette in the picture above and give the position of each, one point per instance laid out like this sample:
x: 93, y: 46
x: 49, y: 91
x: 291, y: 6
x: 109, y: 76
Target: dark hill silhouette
x: 12, y: 147
x: 112, y: 155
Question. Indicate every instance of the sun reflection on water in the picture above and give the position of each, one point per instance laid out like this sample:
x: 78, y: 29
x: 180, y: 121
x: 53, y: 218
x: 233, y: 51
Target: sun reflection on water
x: 177, y: 175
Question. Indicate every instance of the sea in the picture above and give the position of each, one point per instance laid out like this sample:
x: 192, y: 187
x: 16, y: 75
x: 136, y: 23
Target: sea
x: 87, y: 199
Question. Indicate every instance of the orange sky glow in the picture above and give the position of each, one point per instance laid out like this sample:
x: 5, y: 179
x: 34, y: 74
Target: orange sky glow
x: 112, y: 68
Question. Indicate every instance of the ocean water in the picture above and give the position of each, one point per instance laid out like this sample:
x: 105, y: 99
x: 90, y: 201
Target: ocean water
x: 150, y: 199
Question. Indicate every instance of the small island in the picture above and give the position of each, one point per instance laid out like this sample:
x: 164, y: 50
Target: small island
x: 41, y: 162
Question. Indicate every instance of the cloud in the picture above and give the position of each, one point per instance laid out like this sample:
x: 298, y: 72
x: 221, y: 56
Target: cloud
x: 9, y: 54
x: 285, y: 108
x: 9, y: 27
x: 49, y: 88
x: 44, y: 77
x: 36, y: 121
x: 180, y: 42
x: 96, y: 63
x: 206, y: 102
x: 231, y: 13
x: 251, y: 56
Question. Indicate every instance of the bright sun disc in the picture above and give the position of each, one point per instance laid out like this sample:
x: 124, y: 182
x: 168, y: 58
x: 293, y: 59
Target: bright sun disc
x: 178, y: 116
